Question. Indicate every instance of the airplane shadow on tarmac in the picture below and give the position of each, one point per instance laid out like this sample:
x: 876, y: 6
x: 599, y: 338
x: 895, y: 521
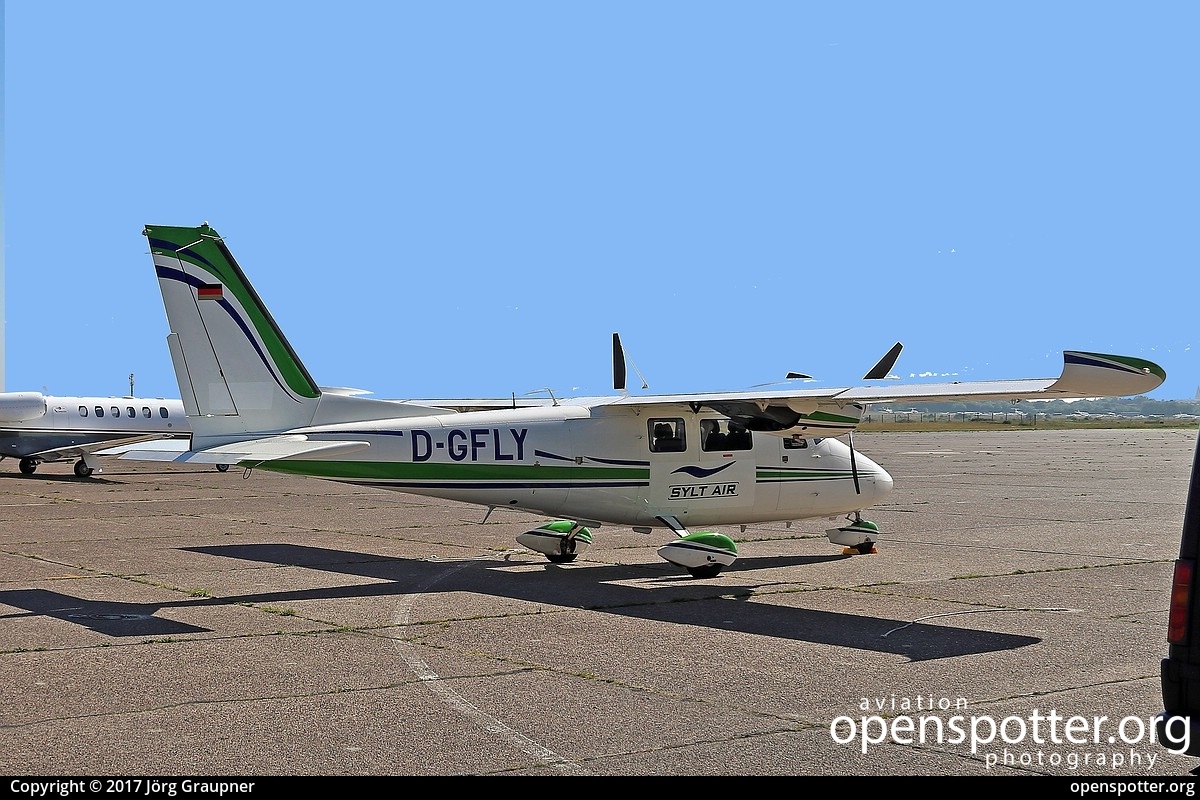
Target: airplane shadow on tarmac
x: 674, y: 599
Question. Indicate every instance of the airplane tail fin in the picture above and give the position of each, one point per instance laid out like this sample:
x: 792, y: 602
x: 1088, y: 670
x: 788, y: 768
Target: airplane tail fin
x: 238, y: 376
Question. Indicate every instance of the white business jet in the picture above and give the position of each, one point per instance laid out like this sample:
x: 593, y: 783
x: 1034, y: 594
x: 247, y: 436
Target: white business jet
x: 677, y: 463
x: 35, y: 427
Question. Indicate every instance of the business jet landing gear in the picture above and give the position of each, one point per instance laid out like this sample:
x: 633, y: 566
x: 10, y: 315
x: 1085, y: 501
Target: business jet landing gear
x: 857, y: 538
x: 82, y: 470
x: 28, y: 465
x: 560, y: 541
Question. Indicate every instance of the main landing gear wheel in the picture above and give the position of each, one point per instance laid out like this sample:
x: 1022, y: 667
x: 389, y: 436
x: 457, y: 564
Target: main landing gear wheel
x: 566, y: 553
x: 560, y: 541
x: 28, y: 466
x: 222, y: 468
x: 707, y: 571
x: 82, y: 470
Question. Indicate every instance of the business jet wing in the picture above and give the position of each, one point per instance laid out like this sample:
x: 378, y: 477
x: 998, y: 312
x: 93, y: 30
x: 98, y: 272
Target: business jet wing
x: 101, y: 448
x: 249, y: 453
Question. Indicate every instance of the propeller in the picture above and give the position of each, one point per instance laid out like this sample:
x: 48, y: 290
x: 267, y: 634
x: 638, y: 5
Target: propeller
x: 619, y: 366
x: 853, y: 466
x: 877, y: 372
x: 885, y: 364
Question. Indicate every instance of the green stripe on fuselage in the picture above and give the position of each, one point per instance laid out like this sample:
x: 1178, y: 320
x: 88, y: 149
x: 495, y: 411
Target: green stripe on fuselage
x: 466, y: 473
x: 769, y: 475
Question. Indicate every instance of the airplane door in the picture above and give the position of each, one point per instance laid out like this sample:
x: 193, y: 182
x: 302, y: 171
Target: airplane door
x: 696, y: 483
x: 66, y: 417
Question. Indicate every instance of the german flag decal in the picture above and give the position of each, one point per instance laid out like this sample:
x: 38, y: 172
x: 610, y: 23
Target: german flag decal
x: 209, y: 291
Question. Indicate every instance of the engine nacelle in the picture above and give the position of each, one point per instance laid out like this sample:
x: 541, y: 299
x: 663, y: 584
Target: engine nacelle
x: 21, y: 406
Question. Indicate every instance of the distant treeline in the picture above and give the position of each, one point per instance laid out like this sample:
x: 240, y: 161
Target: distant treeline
x: 1123, y: 406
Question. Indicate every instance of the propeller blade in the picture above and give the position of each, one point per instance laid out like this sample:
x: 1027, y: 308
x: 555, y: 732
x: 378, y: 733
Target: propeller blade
x: 885, y: 364
x: 618, y: 364
x: 853, y: 466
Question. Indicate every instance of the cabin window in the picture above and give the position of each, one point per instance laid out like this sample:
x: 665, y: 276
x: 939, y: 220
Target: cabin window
x: 146, y: 412
x: 722, y: 436
x: 795, y: 442
x: 99, y: 411
x: 162, y: 411
x: 83, y: 411
x: 666, y: 435
x: 116, y: 411
x: 129, y: 412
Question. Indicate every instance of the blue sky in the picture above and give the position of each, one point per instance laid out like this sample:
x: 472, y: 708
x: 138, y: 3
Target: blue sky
x: 467, y: 199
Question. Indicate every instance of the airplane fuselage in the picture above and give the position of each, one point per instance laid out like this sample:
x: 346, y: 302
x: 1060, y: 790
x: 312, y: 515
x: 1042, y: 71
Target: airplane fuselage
x: 601, y: 464
x: 36, y: 427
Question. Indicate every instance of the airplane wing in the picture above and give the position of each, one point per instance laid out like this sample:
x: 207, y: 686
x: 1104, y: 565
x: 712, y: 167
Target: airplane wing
x: 834, y: 411
x: 179, y: 444
x: 102, y: 448
x: 250, y: 452
x: 829, y: 412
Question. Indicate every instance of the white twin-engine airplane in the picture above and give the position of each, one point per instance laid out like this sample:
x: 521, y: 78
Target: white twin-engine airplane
x: 35, y: 427
x: 680, y: 462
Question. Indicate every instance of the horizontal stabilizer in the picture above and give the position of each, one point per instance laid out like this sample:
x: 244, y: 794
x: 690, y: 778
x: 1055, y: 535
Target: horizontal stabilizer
x: 254, y: 451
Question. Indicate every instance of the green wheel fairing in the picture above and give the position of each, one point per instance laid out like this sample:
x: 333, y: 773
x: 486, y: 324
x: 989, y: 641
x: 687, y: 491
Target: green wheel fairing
x: 469, y: 474
x: 711, y: 539
x: 565, y: 526
x: 206, y: 251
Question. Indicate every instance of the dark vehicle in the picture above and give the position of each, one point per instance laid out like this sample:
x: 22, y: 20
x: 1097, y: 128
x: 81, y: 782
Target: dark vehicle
x: 1178, y: 726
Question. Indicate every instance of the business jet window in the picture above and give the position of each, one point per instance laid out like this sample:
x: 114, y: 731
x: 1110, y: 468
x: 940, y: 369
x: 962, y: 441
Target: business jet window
x: 667, y: 435
x: 99, y: 411
x: 116, y: 412
x: 129, y: 412
x: 162, y: 411
x: 83, y: 411
x: 146, y: 412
